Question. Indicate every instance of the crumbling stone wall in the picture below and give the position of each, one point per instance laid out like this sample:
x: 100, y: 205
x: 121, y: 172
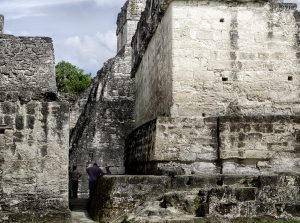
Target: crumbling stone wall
x: 1, y: 24
x: 260, y: 145
x: 154, y: 76
x: 127, y: 21
x: 197, y: 198
x: 229, y: 108
x: 100, y: 133
x: 34, y: 134
x: 30, y: 63
x: 168, y: 146
x: 234, y: 59
x: 227, y: 58
x: 209, y: 59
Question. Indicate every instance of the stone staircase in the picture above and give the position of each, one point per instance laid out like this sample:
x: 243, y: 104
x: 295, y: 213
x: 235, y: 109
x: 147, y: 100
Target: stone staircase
x: 193, y: 199
x: 79, y: 204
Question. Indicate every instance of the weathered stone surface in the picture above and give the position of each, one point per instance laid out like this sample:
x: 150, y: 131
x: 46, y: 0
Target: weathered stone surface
x: 173, y: 146
x: 30, y: 63
x: 99, y: 135
x: 230, y: 145
x: 166, y: 199
x: 262, y: 145
x: 34, y: 134
x: 195, y: 62
x: 213, y: 54
x: 1, y: 24
x: 127, y: 21
x: 119, y: 195
x: 107, y: 118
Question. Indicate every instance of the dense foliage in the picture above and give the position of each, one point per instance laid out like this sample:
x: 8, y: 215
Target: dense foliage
x: 71, y: 79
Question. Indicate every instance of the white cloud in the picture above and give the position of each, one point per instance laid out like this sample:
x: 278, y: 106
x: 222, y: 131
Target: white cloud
x: 109, y: 2
x: 91, y: 51
x: 17, y: 9
x: 31, y: 4
x: 26, y: 14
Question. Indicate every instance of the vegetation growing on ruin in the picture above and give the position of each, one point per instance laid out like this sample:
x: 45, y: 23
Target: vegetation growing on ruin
x: 71, y: 79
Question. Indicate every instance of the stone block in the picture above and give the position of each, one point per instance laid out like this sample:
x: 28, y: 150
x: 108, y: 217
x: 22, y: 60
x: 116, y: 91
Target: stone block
x: 125, y: 191
x: 1, y: 24
x: 166, y: 142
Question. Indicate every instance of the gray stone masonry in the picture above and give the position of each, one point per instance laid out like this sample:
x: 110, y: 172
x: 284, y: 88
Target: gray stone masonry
x: 127, y: 21
x: 30, y: 63
x: 198, y: 198
x: 152, y: 16
x: 34, y: 134
x: 231, y: 145
x: 216, y: 101
x: 100, y: 132
x: 1, y: 24
x: 107, y: 118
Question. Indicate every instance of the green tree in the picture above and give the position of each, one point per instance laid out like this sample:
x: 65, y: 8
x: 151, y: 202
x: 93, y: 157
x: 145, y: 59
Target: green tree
x: 71, y: 79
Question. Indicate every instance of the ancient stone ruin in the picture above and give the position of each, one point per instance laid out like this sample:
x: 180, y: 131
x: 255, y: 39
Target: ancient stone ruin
x: 196, y: 119
x: 107, y: 118
x: 34, y: 133
x: 216, y: 116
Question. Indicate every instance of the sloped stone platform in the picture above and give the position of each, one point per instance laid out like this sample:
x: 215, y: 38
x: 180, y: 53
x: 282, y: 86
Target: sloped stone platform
x: 190, y: 198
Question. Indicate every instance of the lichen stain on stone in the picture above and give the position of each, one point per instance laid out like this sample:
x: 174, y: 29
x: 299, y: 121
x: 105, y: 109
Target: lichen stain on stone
x: 44, y: 151
x: 45, y: 114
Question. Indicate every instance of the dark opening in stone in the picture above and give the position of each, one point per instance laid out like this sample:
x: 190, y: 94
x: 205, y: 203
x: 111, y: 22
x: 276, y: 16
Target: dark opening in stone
x: 290, y: 78
x: 222, y: 20
x: 50, y: 96
x: 2, y: 131
x: 224, y: 78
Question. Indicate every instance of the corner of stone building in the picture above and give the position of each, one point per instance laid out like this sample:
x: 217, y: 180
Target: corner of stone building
x: 127, y: 21
x: 34, y: 133
x: 1, y: 24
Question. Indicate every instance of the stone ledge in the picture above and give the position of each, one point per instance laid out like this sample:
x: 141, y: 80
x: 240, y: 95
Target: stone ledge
x: 121, y: 195
x: 37, y: 217
x: 1, y: 24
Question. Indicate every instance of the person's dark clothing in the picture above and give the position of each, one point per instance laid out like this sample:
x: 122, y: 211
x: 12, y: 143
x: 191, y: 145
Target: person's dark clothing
x: 94, y: 172
x: 74, y: 189
x: 75, y: 175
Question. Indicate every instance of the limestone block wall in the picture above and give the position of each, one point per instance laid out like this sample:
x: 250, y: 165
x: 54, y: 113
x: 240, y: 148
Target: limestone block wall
x: 34, y: 134
x: 1, y: 24
x: 34, y: 160
x: 260, y: 145
x: 127, y: 21
x: 242, y: 145
x: 77, y: 107
x: 118, y: 195
x: 218, y: 58
x: 153, y: 79
x: 27, y: 60
x: 234, y: 58
x: 106, y: 120
x: 174, y: 146
x: 198, y: 198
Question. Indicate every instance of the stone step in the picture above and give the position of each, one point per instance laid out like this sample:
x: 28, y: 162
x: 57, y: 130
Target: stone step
x: 81, y: 217
x: 185, y: 201
x: 182, y: 219
x: 78, y: 204
x: 224, y: 196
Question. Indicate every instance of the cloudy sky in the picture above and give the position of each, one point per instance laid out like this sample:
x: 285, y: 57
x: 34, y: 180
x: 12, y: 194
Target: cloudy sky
x: 83, y: 31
